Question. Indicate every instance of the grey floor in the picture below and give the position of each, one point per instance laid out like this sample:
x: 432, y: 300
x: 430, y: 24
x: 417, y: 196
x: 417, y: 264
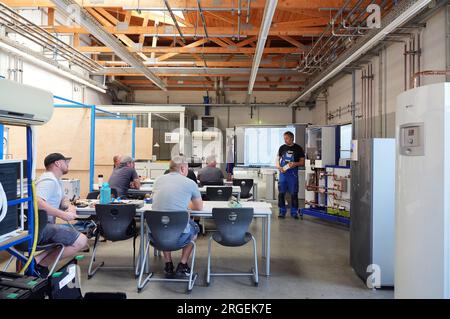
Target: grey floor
x: 310, y: 259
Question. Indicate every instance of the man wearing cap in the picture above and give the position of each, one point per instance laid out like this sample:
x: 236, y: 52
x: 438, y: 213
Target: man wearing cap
x: 50, y: 197
x: 124, y: 177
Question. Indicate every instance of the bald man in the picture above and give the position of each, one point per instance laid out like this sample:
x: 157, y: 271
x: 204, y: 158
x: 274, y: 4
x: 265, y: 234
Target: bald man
x: 175, y: 192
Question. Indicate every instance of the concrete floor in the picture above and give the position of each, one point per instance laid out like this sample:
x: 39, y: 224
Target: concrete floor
x: 310, y: 259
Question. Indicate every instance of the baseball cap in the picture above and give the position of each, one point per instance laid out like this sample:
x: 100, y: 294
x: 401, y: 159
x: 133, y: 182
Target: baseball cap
x: 53, y: 157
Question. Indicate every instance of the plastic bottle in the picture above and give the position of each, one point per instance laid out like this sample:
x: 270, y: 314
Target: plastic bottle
x: 105, y: 194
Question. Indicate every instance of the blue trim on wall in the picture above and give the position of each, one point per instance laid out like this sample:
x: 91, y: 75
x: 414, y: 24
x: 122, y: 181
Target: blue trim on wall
x: 92, y: 150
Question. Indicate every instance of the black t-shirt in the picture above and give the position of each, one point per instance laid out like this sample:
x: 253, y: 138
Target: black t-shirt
x: 291, y: 153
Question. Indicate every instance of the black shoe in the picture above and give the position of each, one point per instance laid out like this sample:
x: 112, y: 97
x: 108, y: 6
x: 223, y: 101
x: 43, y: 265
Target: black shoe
x: 42, y: 271
x: 183, y: 270
x: 168, y: 269
x: 281, y: 216
x: 295, y: 216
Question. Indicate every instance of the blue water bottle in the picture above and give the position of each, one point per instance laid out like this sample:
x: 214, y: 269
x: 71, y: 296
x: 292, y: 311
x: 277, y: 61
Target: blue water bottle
x: 105, y: 194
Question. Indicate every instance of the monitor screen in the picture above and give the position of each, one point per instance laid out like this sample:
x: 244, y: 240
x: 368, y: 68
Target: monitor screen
x: 261, y: 144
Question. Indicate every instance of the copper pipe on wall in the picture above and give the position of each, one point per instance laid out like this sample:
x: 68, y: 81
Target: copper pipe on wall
x: 363, y: 101
x: 406, y: 66
x: 417, y: 75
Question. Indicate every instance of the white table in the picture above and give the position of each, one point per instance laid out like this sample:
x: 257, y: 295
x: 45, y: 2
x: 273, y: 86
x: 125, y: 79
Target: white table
x: 261, y: 210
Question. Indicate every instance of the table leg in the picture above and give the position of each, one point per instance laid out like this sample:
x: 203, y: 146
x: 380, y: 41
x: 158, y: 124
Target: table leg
x: 142, y: 241
x: 263, y: 237
x: 268, y: 246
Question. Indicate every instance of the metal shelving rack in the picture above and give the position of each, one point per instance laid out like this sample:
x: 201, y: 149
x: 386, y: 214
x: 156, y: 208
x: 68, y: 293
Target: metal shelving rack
x: 29, y: 234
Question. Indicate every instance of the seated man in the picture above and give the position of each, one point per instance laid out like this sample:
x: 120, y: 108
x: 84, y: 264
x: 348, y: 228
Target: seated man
x: 124, y: 177
x: 210, y: 175
x: 116, y: 161
x: 190, y: 175
x: 50, y: 197
x: 176, y: 192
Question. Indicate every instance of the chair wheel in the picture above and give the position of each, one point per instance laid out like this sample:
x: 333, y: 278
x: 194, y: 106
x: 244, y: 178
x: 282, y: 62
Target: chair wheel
x: 139, y: 290
x: 208, y: 284
x: 89, y: 277
x: 188, y: 291
x: 256, y: 284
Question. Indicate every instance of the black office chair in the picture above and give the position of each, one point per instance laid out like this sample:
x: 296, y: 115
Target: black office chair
x: 232, y: 225
x: 246, y: 185
x: 115, y: 222
x: 219, y: 193
x: 22, y: 248
x: 166, y: 229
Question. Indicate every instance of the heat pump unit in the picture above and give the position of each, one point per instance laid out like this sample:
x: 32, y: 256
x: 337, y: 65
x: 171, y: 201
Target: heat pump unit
x: 23, y: 104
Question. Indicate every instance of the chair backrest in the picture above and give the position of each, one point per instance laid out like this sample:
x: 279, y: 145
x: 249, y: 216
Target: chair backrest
x: 246, y: 185
x: 232, y: 224
x: 116, y: 221
x: 219, y: 193
x: 166, y: 228
x: 93, y: 195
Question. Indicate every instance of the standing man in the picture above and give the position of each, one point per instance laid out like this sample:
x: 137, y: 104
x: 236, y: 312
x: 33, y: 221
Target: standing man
x: 290, y: 157
x: 50, y: 197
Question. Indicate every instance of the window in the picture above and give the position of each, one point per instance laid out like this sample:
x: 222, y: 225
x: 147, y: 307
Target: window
x: 261, y: 144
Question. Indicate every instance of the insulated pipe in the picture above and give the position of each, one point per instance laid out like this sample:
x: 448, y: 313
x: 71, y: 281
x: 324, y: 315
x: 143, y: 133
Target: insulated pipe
x: 32, y: 28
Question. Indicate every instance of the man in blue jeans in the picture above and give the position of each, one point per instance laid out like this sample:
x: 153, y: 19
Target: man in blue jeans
x: 290, y: 157
x: 175, y: 192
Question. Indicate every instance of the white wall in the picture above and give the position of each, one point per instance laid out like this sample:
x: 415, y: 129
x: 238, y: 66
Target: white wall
x: 39, y: 77
x: 238, y: 115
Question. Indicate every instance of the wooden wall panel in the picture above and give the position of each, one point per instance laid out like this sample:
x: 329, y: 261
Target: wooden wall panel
x: 112, y: 137
x: 144, y: 143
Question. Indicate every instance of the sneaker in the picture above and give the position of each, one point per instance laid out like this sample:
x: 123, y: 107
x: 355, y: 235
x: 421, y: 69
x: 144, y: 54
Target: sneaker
x: 41, y: 271
x: 168, y: 269
x: 183, y: 270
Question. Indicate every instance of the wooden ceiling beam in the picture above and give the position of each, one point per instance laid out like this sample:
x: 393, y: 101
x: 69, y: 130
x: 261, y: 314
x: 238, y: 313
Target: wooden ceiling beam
x: 212, y: 31
x: 192, y: 48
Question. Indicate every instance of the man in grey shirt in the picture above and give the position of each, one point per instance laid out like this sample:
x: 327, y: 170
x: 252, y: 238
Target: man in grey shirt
x: 124, y: 177
x: 175, y: 192
x: 50, y: 197
x: 210, y: 175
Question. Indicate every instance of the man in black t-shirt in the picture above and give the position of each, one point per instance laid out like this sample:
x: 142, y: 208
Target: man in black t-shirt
x: 290, y: 157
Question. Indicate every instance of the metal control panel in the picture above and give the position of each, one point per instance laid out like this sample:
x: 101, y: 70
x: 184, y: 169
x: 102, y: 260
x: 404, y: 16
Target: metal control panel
x: 412, y: 139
